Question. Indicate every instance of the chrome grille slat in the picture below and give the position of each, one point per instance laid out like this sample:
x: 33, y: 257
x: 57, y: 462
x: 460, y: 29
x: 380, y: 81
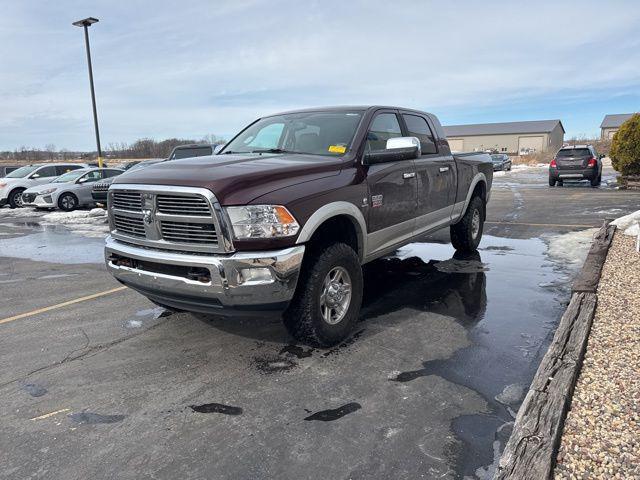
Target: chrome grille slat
x: 131, y: 201
x: 182, y: 205
x: 129, y: 225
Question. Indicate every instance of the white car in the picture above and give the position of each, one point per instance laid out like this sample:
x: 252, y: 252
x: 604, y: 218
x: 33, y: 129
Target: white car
x: 68, y: 191
x: 15, y: 183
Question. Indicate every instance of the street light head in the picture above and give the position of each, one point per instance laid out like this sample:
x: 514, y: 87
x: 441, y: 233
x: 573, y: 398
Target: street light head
x: 86, y: 22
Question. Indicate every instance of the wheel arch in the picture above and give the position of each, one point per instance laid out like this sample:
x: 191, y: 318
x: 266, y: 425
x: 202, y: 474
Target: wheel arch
x: 478, y: 186
x: 337, y: 214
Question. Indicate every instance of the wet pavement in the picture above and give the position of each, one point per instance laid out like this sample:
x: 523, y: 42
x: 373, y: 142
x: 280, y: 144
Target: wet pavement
x: 427, y: 386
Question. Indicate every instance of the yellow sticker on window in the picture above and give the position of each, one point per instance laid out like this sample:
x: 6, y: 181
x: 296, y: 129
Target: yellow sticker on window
x: 337, y: 148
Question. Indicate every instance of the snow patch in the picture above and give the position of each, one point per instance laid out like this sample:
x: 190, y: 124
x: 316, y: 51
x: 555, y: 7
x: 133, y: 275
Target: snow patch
x: 88, y: 223
x: 629, y: 224
x: 571, y: 248
x: 500, y: 173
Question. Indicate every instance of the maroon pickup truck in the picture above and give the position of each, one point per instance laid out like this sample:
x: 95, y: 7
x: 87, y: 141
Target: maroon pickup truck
x: 285, y: 215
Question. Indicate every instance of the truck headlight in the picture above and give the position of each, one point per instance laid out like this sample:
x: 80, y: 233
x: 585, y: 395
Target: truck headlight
x: 47, y: 191
x: 262, y: 221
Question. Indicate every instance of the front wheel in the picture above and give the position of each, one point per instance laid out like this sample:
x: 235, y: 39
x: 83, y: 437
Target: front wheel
x: 327, y: 301
x: 467, y: 233
x: 68, y: 202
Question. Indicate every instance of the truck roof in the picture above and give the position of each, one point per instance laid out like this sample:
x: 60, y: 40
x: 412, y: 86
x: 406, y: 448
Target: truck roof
x: 345, y: 108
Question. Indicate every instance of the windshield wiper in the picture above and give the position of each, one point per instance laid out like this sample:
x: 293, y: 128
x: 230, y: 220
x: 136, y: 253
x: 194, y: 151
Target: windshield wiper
x: 271, y: 150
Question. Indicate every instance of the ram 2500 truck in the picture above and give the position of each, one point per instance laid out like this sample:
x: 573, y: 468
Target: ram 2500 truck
x: 285, y: 215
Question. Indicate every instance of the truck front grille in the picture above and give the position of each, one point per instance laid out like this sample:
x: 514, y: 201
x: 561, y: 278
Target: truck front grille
x: 165, y: 218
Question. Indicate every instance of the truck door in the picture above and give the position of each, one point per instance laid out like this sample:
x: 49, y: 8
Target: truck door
x: 436, y: 174
x: 392, y: 187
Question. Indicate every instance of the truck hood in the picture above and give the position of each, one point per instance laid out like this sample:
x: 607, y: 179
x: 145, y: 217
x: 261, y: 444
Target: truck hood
x: 236, y: 179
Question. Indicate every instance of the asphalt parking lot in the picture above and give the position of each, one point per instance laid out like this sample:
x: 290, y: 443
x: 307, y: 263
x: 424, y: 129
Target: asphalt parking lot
x: 97, y: 382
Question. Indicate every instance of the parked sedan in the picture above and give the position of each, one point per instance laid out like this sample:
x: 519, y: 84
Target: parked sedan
x: 501, y: 161
x: 68, y: 191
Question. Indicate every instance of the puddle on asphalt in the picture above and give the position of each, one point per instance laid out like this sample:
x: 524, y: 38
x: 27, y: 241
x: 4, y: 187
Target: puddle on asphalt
x: 216, y: 408
x: 90, y: 418
x: 496, y: 294
x: 296, y: 351
x: 34, y: 389
x: 54, y: 245
x: 269, y: 364
x: 334, y: 414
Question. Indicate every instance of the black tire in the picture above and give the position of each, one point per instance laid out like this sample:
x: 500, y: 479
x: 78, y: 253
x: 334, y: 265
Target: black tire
x: 15, y: 198
x: 68, y: 202
x: 596, y: 181
x: 552, y: 181
x: 561, y: 183
x: 465, y: 237
x: 304, y: 318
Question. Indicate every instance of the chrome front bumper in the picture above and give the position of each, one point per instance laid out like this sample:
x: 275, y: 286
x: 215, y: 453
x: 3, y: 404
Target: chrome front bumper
x: 227, y: 286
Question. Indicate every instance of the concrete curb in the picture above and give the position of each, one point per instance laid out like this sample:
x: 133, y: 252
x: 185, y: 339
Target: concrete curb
x: 531, y: 450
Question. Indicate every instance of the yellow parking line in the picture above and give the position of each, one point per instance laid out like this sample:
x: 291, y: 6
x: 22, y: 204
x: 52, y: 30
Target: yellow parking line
x: 542, y: 224
x: 60, y: 305
x: 51, y: 414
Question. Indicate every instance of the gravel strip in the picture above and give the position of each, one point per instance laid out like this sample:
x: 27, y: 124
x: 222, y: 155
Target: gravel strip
x: 601, y: 436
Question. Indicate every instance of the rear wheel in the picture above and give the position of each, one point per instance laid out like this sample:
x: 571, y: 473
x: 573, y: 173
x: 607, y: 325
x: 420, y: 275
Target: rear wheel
x: 596, y: 181
x: 68, y: 202
x: 15, y: 198
x: 327, y: 301
x: 467, y: 233
x: 560, y: 183
x: 552, y: 181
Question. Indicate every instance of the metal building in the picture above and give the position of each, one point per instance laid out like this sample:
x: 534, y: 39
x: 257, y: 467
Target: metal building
x: 509, y: 137
x: 611, y: 123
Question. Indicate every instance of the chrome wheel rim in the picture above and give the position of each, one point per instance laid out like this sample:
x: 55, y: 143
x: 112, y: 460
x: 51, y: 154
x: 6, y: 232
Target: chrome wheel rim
x: 475, y: 224
x: 18, y: 200
x: 336, y: 295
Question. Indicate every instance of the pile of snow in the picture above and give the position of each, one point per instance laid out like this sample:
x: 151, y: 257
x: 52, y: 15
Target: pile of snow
x: 91, y: 223
x: 77, y: 216
x: 571, y: 248
x: 20, y: 213
x: 629, y: 224
x: 529, y: 167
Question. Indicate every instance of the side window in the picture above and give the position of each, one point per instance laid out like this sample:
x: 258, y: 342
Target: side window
x: 111, y: 173
x: 383, y: 127
x: 92, y: 176
x: 418, y: 127
x: 47, y: 172
x: 61, y: 169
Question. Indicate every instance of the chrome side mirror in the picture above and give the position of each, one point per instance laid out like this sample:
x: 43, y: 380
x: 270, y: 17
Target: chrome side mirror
x: 403, y: 142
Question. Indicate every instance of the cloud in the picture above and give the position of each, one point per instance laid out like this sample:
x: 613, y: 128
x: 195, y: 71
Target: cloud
x: 165, y: 69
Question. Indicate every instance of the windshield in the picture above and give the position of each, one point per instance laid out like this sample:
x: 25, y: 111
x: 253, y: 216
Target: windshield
x: 315, y: 133
x: 497, y: 158
x: 22, y: 171
x: 69, y: 176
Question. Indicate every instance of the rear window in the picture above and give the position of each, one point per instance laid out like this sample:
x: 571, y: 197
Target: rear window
x: 574, y: 152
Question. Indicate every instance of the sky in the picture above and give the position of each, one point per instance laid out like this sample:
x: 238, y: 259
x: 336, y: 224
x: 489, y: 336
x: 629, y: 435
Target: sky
x: 194, y: 68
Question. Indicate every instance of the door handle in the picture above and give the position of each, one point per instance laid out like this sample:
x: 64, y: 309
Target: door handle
x: 444, y: 169
x: 409, y: 175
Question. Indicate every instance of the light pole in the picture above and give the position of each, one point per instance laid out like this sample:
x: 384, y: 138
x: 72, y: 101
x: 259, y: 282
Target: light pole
x: 86, y: 23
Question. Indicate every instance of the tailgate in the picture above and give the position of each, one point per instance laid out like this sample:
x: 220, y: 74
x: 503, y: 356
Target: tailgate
x: 572, y: 163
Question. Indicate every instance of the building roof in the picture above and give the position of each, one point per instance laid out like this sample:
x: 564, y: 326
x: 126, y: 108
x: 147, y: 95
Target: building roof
x: 504, y: 128
x: 615, y: 120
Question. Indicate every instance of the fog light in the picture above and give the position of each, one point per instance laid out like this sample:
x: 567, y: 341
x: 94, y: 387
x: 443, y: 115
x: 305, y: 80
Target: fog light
x: 255, y: 275
x: 47, y: 199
